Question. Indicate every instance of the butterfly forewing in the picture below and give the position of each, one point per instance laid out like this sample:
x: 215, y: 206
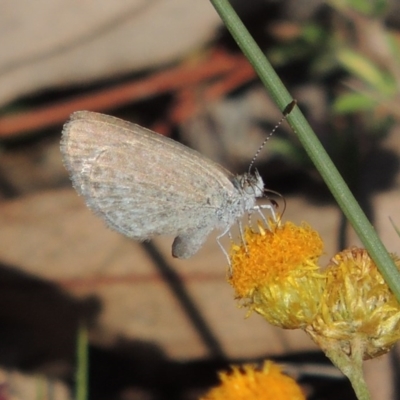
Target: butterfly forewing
x: 141, y: 183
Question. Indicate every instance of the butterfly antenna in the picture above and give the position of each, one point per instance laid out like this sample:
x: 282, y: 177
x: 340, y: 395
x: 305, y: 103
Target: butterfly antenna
x: 288, y: 109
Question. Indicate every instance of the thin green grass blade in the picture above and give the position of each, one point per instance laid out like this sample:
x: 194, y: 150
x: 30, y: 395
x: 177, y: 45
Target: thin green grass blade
x: 312, y: 145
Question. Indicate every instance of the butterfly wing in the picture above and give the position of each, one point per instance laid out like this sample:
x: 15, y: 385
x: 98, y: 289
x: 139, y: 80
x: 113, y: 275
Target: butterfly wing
x: 141, y: 183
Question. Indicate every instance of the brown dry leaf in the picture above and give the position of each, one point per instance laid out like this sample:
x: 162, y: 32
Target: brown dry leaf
x: 54, y: 43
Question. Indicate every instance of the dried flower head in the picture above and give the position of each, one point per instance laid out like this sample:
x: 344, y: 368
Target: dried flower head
x: 357, y: 306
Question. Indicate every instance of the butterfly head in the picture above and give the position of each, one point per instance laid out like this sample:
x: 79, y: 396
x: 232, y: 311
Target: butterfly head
x: 250, y: 184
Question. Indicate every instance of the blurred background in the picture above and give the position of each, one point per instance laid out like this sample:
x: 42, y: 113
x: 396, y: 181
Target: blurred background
x: 161, y: 328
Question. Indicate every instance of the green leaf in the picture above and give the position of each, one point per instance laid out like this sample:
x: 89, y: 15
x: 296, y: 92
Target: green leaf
x: 372, y: 8
x: 365, y: 69
x: 353, y: 102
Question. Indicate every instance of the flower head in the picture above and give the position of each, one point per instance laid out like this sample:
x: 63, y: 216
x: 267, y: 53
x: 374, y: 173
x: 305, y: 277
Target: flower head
x: 275, y: 273
x: 357, y: 306
x: 248, y: 383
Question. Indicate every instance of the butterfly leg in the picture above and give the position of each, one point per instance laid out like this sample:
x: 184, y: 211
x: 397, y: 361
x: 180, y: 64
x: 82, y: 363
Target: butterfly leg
x: 224, y: 251
x: 240, y: 226
x: 261, y: 207
x: 226, y: 231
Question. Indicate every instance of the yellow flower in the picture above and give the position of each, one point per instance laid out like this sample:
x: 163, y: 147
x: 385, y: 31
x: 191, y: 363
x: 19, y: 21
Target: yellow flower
x: 247, y: 383
x: 348, y: 309
x: 357, y: 307
x: 275, y: 273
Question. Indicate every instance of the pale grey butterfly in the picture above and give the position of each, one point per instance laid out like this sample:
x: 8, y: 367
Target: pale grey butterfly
x: 144, y: 184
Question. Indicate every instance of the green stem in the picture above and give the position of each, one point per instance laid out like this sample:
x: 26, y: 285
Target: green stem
x: 351, y: 366
x: 316, y: 152
x: 81, y: 376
